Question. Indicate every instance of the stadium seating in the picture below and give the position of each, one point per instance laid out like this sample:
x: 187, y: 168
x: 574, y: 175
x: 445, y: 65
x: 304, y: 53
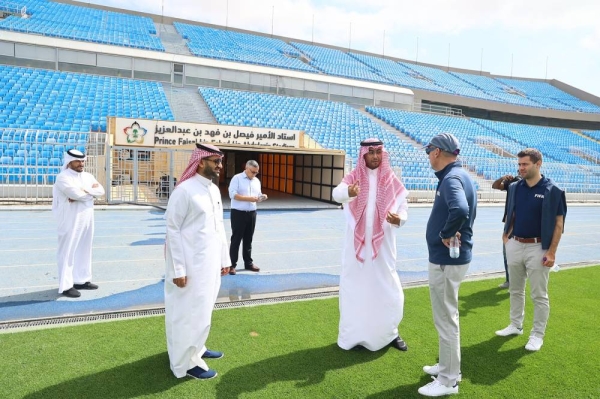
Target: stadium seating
x: 338, y: 63
x: 331, y: 124
x: 80, y: 23
x: 42, y: 99
x: 483, y: 140
x: 240, y: 47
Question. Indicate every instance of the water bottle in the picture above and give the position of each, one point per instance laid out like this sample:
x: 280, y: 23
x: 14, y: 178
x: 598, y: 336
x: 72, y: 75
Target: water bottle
x: 454, y: 248
x: 554, y: 268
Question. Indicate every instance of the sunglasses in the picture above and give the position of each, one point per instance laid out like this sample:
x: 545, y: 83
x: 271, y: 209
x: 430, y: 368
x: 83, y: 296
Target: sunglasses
x: 217, y: 161
x: 429, y: 149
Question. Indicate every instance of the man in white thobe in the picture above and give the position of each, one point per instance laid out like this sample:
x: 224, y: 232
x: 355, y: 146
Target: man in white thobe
x: 73, y: 196
x: 196, y: 257
x: 371, y: 296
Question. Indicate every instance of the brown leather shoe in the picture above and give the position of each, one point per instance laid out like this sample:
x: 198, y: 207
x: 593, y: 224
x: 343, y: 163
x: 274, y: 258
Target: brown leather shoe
x: 252, y: 268
x: 232, y: 271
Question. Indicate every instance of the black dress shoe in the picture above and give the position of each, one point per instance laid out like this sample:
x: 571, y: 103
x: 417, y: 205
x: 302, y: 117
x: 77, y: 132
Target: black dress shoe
x: 399, y: 344
x: 72, y: 293
x: 86, y: 286
x: 252, y: 268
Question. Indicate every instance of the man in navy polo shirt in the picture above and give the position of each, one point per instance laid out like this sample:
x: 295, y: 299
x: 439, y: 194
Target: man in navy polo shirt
x: 534, y: 224
x: 452, y: 216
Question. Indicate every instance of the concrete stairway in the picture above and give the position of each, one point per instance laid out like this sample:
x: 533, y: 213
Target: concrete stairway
x: 172, y: 40
x: 187, y: 104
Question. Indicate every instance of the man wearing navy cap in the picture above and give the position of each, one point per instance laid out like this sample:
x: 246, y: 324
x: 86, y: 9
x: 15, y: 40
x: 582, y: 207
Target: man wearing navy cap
x: 73, y: 207
x: 452, y: 217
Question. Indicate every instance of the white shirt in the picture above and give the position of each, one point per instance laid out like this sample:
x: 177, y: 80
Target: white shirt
x: 242, y: 185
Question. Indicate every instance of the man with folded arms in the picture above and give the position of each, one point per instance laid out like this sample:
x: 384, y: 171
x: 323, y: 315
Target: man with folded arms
x: 534, y: 224
x: 196, y: 258
x: 73, y: 197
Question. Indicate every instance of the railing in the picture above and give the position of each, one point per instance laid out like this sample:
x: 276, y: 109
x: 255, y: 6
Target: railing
x: 436, y: 109
x: 30, y: 181
x: 130, y: 176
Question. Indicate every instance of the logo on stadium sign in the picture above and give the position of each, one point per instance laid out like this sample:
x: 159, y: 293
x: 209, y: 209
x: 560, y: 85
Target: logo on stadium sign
x: 135, y: 133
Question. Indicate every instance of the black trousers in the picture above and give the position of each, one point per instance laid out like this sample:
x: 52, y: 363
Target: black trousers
x: 242, y: 229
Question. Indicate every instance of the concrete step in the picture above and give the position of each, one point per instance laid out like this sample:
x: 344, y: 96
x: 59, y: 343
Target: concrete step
x: 188, y: 105
x: 171, y: 40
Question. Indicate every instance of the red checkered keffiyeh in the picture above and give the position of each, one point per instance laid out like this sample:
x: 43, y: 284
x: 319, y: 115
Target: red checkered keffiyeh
x: 201, y: 151
x: 389, y: 187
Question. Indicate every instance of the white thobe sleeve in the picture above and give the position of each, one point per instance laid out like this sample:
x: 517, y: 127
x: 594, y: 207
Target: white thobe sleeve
x: 94, y: 191
x: 225, y: 259
x: 176, y: 214
x: 66, y: 186
x: 402, y: 211
x: 340, y: 194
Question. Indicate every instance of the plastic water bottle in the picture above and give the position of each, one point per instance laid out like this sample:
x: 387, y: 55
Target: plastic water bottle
x: 454, y: 248
x: 554, y: 268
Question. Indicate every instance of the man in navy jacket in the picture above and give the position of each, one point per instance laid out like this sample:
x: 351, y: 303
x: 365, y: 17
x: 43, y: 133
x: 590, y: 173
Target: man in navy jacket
x: 452, y: 215
x: 535, y: 218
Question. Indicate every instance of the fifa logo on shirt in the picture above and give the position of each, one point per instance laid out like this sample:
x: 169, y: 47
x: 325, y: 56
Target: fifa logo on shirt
x: 539, y: 196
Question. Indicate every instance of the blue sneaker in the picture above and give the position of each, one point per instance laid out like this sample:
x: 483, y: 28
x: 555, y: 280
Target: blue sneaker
x: 201, y: 374
x: 212, y: 354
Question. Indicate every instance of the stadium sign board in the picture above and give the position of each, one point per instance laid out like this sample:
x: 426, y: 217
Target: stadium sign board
x: 153, y: 133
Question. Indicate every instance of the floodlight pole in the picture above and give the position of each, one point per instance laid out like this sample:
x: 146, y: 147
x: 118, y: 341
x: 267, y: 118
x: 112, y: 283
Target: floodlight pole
x: 312, y: 40
x: 350, y: 37
x: 512, y: 58
x: 272, y: 19
x: 383, y: 47
x: 417, y: 57
x: 481, y: 63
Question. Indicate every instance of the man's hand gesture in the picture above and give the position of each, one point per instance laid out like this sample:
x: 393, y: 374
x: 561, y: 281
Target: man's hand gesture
x: 353, y: 190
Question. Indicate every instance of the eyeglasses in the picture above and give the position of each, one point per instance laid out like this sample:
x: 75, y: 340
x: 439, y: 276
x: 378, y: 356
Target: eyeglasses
x: 429, y: 149
x: 217, y: 161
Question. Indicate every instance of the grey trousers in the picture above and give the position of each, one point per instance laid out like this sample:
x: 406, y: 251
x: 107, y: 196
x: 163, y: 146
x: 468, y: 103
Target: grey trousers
x: 444, y: 282
x: 525, y: 262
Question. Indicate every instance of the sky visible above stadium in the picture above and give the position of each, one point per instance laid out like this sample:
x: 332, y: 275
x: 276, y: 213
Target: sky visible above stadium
x: 556, y: 39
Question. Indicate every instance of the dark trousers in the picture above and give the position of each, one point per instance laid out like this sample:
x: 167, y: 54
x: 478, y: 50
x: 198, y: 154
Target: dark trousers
x: 242, y: 229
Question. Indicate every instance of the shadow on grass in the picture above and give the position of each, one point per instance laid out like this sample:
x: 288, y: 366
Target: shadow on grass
x: 482, y: 364
x: 307, y: 367
x: 482, y: 299
x: 485, y: 364
x: 150, y: 375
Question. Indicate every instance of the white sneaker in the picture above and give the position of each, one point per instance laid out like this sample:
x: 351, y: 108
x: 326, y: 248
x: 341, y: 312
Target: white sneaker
x: 436, y: 388
x: 534, y: 344
x: 504, y: 285
x: 510, y: 330
x: 435, y: 370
